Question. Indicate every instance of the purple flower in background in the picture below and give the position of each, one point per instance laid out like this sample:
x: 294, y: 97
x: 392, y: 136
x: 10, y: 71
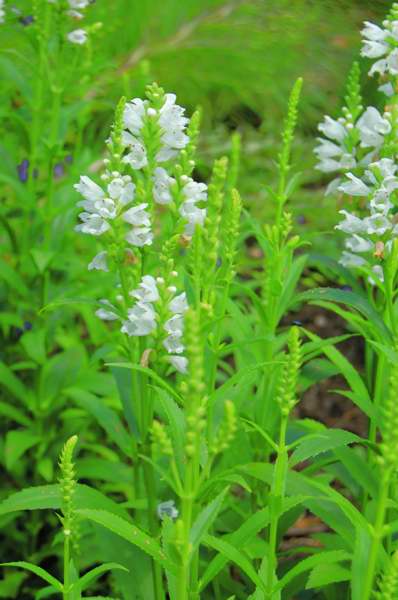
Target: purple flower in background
x: 26, y: 21
x: 27, y: 326
x: 23, y: 170
x: 59, y: 170
x: 69, y: 159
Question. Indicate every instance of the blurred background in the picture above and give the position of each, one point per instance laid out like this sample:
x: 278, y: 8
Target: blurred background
x: 236, y: 59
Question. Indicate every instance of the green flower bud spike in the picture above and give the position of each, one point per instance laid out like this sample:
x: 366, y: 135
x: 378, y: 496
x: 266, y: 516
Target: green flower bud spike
x: 388, y: 587
x: 227, y: 430
x: 287, y: 389
x: 160, y: 439
x: 68, y: 483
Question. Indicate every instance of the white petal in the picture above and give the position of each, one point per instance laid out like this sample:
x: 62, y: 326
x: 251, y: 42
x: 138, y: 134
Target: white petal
x: 140, y: 236
x: 89, y: 189
x: 179, y: 304
x: 354, y: 187
x: 180, y: 363
x: 99, y: 262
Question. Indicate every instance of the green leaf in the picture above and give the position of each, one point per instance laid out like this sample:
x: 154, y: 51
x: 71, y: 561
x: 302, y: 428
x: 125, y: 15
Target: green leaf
x: 14, y: 414
x: 325, y: 574
x: 205, y: 519
x: 39, y: 571
x: 92, y: 575
x: 124, y: 386
x: 315, y: 371
x: 130, y: 533
x: 238, y: 538
x: 49, y: 497
x: 33, y: 342
x: 360, y: 562
x: 176, y: 421
x: 337, y: 269
x: 13, y: 279
x: 235, y: 555
x: 317, y: 443
x: 10, y: 584
x: 360, y: 392
x: 13, y: 384
x: 41, y: 258
x: 290, y: 284
x: 106, y: 417
x: 151, y: 374
x: 353, y: 300
x: 359, y: 469
x: 328, y: 557
x: 16, y: 444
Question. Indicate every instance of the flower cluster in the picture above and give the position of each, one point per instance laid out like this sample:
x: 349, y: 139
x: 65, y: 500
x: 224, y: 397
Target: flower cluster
x: 140, y: 120
x: 348, y: 143
x: 174, y: 327
x: 141, y: 173
x: 381, y: 43
x: 141, y: 319
x: 371, y: 236
x: 2, y: 12
x: 75, y: 10
x: 101, y: 207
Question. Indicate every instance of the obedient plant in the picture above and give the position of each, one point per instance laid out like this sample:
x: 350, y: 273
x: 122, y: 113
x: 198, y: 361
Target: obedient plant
x: 187, y: 397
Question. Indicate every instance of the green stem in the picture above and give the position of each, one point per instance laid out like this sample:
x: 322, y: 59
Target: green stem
x: 277, y: 495
x: 150, y: 491
x: 186, y: 513
x: 377, y: 536
x: 66, y: 592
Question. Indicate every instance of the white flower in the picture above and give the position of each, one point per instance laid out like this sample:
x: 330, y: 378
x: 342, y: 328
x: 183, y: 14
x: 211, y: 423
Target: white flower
x: 92, y: 224
x: 351, y: 223
x: 387, y: 89
x: 378, y: 275
x: 136, y: 157
x: 386, y: 167
x: 354, y: 187
x: 374, y: 49
x: 373, y: 32
x: 180, y: 363
x: 75, y: 14
x: 140, y: 236
x: 358, y: 244
x: 88, y: 189
x: 175, y: 325
x: 332, y: 129
x: 137, y: 215
x: 380, y: 202
x: 134, y: 113
x: 173, y: 124
x: 351, y: 260
x: 147, y: 290
x: 179, y: 304
x: 167, y: 509
x: 377, y: 223
x: 78, y: 3
x: 105, y: 314
x: 78, y: 36
x: 99, y: 262
x: 141, y: 320
x: 2, y: 11
x: 381, y: 43
x: 372, y: 127
x: 194, y: 191
x: 121, y: 189
x: 161, y: 186
x: 173, y: 344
